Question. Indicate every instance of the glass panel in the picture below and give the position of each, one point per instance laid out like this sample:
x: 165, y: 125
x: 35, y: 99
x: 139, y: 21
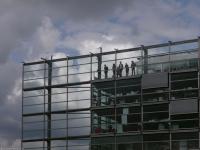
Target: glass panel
x: 184, y: 121
x: 183, y: 106
x: 128, y: 119
x: 105, y: 143
x: 82, y: 144
x: 155, y: 95
x: 184, y: 64
x: 34, y: 145
x: 185, y: 136
x: 103, y: 94
x: 79, y: 123
x: 185, y: 145
x: 103, y: 121
x: 156, y: 137
x: 135, y: 146
x: 128, y: 91
x: 157, y: 146
x: 33, y: 67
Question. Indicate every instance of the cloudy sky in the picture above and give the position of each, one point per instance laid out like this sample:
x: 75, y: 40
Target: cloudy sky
x: 31, y: 29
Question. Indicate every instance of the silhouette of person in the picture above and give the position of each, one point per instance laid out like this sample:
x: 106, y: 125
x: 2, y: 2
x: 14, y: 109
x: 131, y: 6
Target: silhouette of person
x: 127, y: 69
x: 114, y: 70
x: 106, y: 71
x: 121, y: 67
x: 133, y: 67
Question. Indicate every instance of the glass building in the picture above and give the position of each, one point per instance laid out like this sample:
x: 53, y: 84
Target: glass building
x: 90, y: 102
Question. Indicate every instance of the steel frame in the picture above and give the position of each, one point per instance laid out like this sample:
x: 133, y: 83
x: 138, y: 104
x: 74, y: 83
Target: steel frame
x: 47, y: 114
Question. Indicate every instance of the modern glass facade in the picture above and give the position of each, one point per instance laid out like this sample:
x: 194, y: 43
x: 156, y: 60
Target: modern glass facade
x: 74, y: 103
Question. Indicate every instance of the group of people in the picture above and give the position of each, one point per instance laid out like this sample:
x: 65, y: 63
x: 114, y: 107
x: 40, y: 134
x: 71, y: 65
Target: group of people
x: 117, y: 70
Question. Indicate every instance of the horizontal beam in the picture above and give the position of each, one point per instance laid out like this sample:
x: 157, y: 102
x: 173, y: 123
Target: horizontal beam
x: 58, y: 138
x: 56, y: 86
x: 56, y: 112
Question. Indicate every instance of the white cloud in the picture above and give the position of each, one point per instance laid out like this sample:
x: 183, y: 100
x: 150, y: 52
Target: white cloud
x: 48, y: 35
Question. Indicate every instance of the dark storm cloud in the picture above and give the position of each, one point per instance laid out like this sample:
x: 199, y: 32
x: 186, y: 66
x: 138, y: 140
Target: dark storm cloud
x: 85, y: 9
x: 8, y: 75
x: 19, y: 19
x: 10, y: 102
x: 10, y: 122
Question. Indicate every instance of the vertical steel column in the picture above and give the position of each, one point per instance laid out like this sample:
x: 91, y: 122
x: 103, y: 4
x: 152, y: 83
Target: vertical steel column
x: 91, y: 101
x: 199, y: 85
x: 91, y: 54
x: 22, y: 125
x: 169, y: 97
x: 67, y: 115
x: 198, y: 53
x: 141, y: 104
x: 115, y: 84
x: 198, y: 74
x: 99, y: 58
x: 44, y: 97
x: 170, y: 44
x: 145, y: 59
x: 49, y: 62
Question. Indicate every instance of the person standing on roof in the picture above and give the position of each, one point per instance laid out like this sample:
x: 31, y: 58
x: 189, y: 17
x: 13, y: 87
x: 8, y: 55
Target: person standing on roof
x: 114, y: 70
x: 106, y: 71
x: 127, y: 69
x: 121, y: 67
x: 133, y: 67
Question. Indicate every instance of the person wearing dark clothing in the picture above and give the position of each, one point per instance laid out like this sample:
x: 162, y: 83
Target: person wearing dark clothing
x: 127, y: 69
x: 118, y: 72
x: 114, y: 70
x: 133, y: 67
x: 121, y: 67
x: 106, y: 71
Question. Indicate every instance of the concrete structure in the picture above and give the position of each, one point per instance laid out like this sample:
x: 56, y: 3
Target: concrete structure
x: 70, y: 103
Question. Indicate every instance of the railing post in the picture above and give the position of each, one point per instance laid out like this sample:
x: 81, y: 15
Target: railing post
x: 99, y: 57
x: 145, y: 59
x: 49, y: 62
x: 198, y: 53
x: 199, y: 83
x: 170, y: 43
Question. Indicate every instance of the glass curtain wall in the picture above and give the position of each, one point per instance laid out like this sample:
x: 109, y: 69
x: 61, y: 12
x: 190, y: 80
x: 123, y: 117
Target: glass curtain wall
x: 100, y: 101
